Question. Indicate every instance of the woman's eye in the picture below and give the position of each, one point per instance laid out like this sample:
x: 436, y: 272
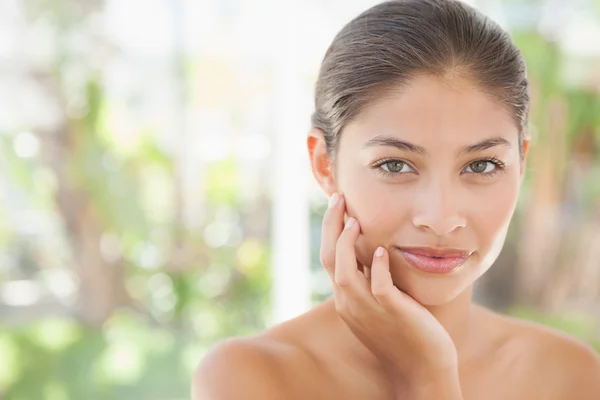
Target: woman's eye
x: 395, y: 166
x: 481, y: 167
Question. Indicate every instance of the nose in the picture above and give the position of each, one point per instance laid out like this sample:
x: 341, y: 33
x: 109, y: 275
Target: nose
x: 438, y: 210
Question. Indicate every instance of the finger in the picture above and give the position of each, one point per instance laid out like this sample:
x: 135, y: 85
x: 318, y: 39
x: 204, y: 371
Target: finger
x: 367, y: 272
x: 333, y: 224
x: 382, y: 286
x: 347, y: 275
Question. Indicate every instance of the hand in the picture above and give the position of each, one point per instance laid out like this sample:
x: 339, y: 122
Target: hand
x: 410, y: 343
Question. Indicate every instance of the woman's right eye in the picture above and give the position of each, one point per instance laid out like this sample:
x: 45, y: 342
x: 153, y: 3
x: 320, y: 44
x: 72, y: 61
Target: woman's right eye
x: 394, y: 167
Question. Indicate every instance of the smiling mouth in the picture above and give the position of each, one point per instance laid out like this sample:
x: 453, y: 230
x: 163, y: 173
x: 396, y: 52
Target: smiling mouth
x: 434, y: 260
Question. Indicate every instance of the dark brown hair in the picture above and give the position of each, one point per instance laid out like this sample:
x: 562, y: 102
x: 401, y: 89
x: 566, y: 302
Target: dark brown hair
x: 389, y: 44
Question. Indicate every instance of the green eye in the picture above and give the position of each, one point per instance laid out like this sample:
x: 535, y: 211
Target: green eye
x: 486, y: 167
x: 393, y: 166
x: 480, y: 167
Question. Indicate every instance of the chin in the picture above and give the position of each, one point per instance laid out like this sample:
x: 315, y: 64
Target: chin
x: 434, y: 290
x: 431, y: 290
x: 429, y: 296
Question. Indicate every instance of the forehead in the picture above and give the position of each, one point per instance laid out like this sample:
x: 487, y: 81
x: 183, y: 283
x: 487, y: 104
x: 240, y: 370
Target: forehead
x: 433, y: 111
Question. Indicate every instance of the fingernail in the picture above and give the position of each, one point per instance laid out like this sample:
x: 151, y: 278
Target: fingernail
x: 379, y: 252
x: 333, y: 200
x: 350, y: 223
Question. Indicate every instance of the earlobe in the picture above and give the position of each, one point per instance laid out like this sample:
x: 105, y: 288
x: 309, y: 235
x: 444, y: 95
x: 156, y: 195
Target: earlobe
x: 320, y: 162
x: 526, y: 143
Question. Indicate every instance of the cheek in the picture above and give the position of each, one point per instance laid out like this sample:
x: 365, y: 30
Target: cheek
x: 491, y: 214
x: 377, y: 207
x: 372, y: 203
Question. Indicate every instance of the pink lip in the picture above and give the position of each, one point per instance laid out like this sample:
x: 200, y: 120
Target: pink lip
x: 435, y: 261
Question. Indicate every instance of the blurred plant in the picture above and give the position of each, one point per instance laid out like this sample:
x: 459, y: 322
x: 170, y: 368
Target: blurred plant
x: 151, y: 292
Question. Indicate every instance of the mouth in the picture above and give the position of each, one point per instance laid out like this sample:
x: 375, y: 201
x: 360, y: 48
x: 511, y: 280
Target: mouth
x: 434, y: 260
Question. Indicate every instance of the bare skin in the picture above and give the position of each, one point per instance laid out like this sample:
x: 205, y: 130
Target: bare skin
x: 392, y: 331
x: 316, y: 357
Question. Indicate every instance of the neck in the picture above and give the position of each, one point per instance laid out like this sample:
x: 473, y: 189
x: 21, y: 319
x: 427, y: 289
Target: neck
x: 456, y: 317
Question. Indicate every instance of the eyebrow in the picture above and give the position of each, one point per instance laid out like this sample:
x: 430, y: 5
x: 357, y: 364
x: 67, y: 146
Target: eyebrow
x: 388, y: 141
x: 484, y: 145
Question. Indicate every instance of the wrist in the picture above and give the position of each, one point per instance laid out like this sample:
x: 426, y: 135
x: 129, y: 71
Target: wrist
x: 441, y: 385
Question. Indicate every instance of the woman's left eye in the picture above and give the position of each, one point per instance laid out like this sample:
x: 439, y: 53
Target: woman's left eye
x: 482, y: 167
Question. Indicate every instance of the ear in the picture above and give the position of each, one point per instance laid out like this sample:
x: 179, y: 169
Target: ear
x: 526, y: 143
x: 322, y: 165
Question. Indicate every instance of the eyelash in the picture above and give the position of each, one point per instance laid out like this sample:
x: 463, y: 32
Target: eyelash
x: 499, y: 166
x: 378, y: 164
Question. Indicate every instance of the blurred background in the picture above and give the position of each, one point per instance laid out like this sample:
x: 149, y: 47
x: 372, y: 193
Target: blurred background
x: 156, y: 197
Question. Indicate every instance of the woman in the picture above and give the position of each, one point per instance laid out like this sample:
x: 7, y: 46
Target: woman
x: 419, y: 139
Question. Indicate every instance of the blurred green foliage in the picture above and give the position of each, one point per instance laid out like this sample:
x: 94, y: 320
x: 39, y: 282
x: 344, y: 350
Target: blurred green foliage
x: 57, y: 359
x: 580, y: 326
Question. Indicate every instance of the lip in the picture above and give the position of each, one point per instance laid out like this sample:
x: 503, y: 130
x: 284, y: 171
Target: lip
x: 435, y: 260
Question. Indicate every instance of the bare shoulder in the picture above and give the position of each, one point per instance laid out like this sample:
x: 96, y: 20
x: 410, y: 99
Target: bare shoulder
x: 265, y: 366
x: 245, y: 367
x: 572, y: 363
x: 569, y: 365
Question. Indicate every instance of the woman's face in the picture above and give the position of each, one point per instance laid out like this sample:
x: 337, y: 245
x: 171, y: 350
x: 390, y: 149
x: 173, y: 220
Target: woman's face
x: 435, y: 165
